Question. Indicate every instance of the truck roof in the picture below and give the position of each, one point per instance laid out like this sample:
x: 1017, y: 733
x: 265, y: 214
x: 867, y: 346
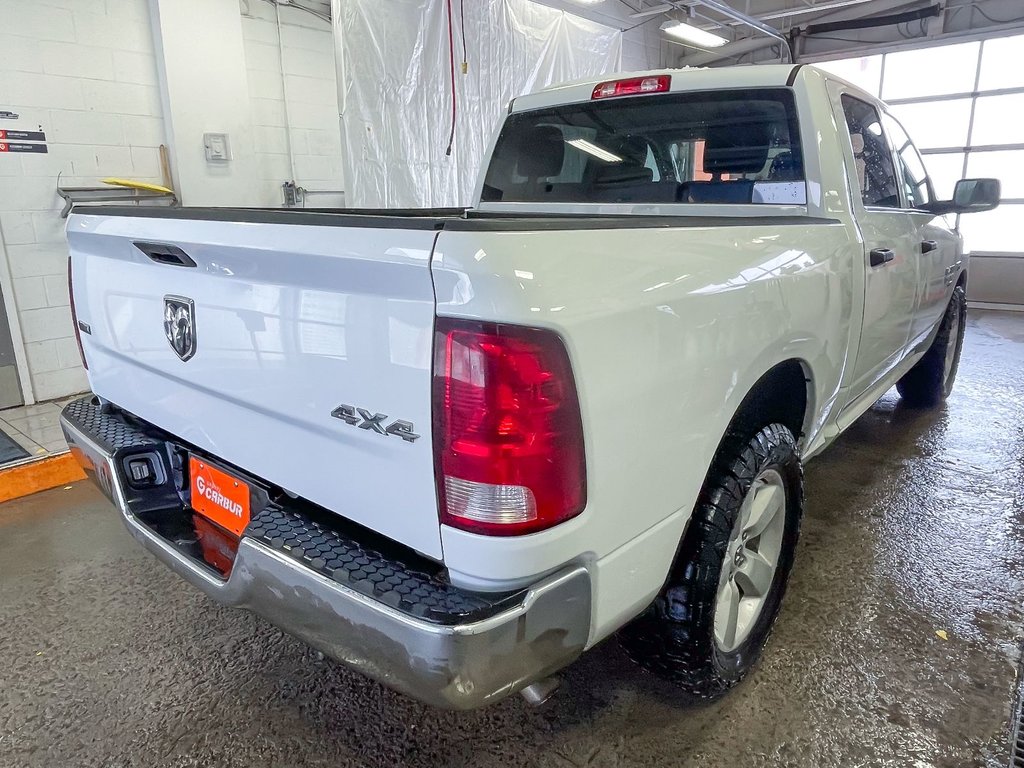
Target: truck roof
x: 685, y: 79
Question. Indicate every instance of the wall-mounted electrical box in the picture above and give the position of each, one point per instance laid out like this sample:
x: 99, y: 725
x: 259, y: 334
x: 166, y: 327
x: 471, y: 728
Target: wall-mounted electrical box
x: 217, y: 147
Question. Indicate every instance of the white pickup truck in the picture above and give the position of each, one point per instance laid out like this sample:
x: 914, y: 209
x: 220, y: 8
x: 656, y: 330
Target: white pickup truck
x: 454, y: 449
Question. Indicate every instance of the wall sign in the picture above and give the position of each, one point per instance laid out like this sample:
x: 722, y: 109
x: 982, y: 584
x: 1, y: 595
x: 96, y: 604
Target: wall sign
x: 10, y: 147
x: 6, y: 135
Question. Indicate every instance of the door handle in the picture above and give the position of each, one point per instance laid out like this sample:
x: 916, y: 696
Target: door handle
x: 927, y: 246
x: 163, y: 253
x: 952, y: 272
x: 880, y: 256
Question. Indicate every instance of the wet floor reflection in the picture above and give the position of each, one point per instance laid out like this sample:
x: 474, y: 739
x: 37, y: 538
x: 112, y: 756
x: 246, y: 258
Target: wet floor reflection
x: 897, y: 644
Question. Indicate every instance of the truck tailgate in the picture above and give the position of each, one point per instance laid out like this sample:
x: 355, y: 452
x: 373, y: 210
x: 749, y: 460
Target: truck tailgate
x: 291, y: 320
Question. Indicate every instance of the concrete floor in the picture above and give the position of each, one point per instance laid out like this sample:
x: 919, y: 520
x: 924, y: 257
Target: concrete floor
x: 913, y: 525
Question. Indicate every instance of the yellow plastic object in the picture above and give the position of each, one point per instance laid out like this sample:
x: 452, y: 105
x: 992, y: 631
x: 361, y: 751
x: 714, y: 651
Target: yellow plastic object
x: 137, y: 185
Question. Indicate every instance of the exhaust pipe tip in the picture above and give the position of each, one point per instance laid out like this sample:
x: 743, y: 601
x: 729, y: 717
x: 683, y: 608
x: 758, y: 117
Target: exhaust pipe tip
x: 538, y: 693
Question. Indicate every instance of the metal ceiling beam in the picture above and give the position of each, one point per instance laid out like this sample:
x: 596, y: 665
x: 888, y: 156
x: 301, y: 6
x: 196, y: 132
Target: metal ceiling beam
x: 803, y: 11
x: 652, y: 11
x: 857, y: 11
x: 750, y: 44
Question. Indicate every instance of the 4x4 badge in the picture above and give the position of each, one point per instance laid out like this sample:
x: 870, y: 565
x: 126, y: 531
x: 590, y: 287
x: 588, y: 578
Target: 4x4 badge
x: 374, y: 422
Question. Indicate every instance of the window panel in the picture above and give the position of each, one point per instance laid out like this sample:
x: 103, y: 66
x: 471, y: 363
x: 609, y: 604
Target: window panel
x: 997, y: 120
x: 1008, y: 167
x: 945, y: 170
x: 931, y: 71
x: 936, y: 124
x: 910, y: 165
x: 876, y: 174
x: 1001, y: 63
x: 951, y: 69
x: 865, y: 72
x: 997, y: 230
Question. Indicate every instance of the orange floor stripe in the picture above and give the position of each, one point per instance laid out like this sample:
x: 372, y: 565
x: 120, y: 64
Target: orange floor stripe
x: 36, y: 476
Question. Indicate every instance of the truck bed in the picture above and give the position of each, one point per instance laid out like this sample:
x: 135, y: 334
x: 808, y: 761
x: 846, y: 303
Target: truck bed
x: 302, y: 317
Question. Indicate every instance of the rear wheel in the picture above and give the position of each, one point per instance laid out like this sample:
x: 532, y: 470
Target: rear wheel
x: 930, y: 381
x: 708, y: 626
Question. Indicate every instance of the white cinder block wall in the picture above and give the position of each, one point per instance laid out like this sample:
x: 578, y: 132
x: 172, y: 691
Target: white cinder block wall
x: 311, y: 129
x: 84, y: 71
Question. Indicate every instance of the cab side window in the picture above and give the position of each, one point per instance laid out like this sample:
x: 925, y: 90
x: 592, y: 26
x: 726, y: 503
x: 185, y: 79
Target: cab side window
x: 916, y: 186
x: 876, y: 174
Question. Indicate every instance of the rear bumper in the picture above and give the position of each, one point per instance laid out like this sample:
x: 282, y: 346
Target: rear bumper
x: 464, y: 659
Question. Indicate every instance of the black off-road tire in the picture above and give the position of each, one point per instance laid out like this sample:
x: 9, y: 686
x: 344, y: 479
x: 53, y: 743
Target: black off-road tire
x: 675, y: 637
x: 928, y: 383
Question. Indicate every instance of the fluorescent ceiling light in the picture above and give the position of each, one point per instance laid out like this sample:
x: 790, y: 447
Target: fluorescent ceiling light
x: 592, y: 149
x: 698, y: 37
x: 588, y: 2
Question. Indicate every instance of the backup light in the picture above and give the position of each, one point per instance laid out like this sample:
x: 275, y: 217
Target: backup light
x: 508, y: 437
x: 690, y: 34
x: 632, y: 86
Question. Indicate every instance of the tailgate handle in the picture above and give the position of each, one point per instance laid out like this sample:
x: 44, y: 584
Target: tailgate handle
x: 163, y: 253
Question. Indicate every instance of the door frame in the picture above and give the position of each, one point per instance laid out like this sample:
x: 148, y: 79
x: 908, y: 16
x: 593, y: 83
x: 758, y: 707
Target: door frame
x: 836, y: 88
x: 14, y: 324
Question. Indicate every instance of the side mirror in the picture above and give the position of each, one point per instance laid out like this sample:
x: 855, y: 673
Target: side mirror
x: 970, y: 196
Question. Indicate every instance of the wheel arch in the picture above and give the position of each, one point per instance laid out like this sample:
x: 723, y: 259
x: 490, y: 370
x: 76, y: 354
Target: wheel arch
x: 783, y: 394
x: 962, y: 280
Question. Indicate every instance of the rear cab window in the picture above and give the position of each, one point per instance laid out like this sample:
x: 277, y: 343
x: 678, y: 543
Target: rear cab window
x: 703, y: 147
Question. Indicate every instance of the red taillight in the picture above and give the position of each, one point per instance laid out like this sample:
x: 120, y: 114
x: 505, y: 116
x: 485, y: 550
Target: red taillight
x: 507, y: 429
x: 74, y: 316
x: 632, y: 86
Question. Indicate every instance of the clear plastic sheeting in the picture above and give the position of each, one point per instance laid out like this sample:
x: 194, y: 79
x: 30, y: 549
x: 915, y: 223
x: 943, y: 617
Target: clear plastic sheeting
x: 395, y: 94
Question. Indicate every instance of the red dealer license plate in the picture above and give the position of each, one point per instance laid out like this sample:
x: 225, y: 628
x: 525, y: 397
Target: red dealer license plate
x: 218, y: 496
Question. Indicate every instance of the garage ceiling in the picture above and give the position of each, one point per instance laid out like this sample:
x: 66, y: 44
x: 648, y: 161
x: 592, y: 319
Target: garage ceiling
x: 854, y: 25
x: 849, y: 25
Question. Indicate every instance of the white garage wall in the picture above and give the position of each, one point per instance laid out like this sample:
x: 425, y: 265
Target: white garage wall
x: 204, y: 89
x: 643, y: 45
x: 309, y: 122
x: 84, y: 71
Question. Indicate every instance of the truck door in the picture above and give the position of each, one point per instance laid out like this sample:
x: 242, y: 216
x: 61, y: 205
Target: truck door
x: 891, y: 246
x: 938, y: 246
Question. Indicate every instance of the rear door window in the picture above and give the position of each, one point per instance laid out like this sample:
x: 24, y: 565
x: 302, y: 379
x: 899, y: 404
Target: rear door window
x: 876, y: 174
x: 734, y: 147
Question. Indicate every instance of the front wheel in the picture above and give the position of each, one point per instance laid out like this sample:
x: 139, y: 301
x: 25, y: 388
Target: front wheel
x: 930, y: 381
x: 708, y: 626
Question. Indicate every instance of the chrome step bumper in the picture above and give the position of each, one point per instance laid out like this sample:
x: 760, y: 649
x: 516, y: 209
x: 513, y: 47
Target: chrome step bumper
x: 462, y: 664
